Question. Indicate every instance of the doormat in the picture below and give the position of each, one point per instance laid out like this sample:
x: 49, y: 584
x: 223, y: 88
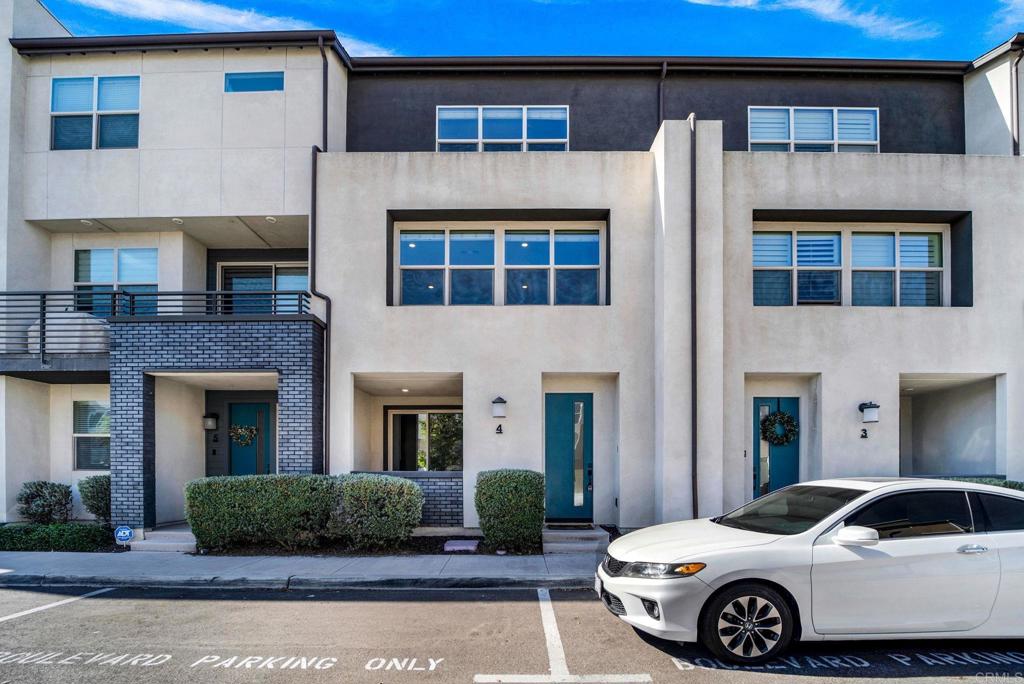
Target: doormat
x: 569, y: 526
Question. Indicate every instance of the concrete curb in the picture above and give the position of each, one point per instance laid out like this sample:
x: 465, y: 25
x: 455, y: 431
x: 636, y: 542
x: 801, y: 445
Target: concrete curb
x: 299, y: 583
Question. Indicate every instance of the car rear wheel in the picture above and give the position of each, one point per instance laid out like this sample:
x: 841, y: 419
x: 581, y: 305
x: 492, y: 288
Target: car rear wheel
x: 747, y: 623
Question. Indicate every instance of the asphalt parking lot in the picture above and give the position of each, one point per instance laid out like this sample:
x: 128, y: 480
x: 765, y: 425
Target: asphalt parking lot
x: 127, y: 635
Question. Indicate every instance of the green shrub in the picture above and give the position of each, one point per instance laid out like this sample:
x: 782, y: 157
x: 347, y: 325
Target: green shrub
x: 995, y: 481
x: 55, y: 537
x: 289, y: 511
x: 95, y: 493
x: 510, y: 504
x: 377, y: 511
x: 45, y: 502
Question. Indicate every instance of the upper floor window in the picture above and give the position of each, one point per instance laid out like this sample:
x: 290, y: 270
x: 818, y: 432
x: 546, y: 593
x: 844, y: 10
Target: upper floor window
x: 508, y: 266
x: 503, y: 129
x: 813, y: 129
x: 888, y: 268
x: 92, y: 112
x: 253, y: 81
x: 99, y: 272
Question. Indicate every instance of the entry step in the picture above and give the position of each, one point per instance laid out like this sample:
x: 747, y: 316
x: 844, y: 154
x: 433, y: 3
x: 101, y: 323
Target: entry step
x: 170, y: 540
x: 584, y: 540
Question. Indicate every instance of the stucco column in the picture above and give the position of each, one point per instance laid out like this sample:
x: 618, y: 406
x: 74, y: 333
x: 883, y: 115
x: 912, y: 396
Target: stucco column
x: 672, y: 399
x: 710, y: 318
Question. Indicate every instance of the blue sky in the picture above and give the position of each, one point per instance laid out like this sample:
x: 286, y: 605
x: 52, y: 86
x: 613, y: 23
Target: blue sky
x: 918, y: 29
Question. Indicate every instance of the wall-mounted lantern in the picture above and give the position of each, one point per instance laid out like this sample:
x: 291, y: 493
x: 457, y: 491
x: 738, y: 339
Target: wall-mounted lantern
x: 210, y: 421
x: 498, y: 408
x: 869, y: 409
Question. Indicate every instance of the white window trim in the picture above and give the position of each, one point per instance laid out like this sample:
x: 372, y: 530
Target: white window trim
x: 847, y: 268
x: 499, y: 267
x: 221, y: 265
x: 76, y: 435
x: 96, y: 112
x: 417, y: 411
x: 835, y: 142
x: 116, y: 284
x: 480, y: 141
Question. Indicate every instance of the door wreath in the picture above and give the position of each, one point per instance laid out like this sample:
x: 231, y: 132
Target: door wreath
x: 243, y: 435
x: 779, y: 428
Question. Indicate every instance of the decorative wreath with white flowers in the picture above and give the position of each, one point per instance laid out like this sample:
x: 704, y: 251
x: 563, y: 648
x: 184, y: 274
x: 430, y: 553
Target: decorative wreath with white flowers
x: 243, y: 435
x: 779, y: 428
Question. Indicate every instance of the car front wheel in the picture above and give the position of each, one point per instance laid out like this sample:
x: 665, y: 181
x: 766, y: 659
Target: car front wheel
x: 748, y: 624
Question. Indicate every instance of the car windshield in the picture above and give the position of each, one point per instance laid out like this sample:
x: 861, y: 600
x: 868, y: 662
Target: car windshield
x: 789, y: 511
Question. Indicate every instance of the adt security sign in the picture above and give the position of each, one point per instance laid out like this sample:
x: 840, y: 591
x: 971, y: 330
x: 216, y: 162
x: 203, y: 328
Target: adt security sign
x: 124, y: 534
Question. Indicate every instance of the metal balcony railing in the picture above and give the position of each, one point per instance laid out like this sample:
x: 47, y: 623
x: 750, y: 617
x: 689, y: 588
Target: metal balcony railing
x: 41, y: 323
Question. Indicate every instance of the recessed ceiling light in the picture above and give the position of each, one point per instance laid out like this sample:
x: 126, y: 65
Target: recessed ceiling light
x: 525, y: 244
x: 270, y: 219
x: 177, y: 221
x: 85, y: 222
x: 908, y: 389
x: 405, y: 389
x: 526, y: 287
x: 430, y: 287
x: 412, y: 245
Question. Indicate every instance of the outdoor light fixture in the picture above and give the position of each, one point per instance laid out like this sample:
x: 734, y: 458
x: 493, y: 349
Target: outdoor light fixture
x: 405, y: 389
x: 210, y: 421
x: 85, y: 222
x: 498, y: 408
x: 177, y: 221
x: 270, y: 219
x: 870, y: 411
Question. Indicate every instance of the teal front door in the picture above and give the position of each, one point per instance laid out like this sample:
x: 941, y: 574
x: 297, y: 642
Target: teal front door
x: 775, y: 466
x: 251, y: 439
x: 569, y: 457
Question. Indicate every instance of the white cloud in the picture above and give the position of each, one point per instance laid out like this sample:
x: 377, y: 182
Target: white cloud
x: 869, y: 20
x: 200, y: 15
x: 1009, y: 17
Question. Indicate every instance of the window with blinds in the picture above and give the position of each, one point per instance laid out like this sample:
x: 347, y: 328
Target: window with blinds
x: 887, y: 268
x: 88, y: 112
x: 91, y: 434
x: 503, y: 129
x: 813, y: 129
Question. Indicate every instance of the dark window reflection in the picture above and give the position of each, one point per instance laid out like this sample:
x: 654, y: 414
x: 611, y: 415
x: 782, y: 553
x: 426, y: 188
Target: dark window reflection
x: 526, y: 286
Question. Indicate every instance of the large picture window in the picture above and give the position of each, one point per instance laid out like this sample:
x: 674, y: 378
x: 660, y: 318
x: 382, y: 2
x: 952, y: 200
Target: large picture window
x: 500, y: 265
x: 503, y: 129
x: 425, y: 439
x: 87, y: 112
x: 813, y: 129
x: 91, y: 434
x: 894, y: 267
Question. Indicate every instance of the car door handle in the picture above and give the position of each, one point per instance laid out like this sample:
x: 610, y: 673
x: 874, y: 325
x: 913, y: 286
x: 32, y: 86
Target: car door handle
x: 972, y: 548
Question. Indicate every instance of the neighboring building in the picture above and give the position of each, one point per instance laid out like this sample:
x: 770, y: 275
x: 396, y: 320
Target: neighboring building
x: 248, y: 253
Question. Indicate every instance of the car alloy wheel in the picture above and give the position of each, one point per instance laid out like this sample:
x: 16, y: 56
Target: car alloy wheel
x: 750, y: 626
x: 747, y: 623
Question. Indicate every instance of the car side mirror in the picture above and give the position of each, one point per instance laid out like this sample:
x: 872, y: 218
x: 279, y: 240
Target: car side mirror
x: 855, y: 535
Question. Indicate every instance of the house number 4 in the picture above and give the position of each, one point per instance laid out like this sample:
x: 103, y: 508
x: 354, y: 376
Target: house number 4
x: 498, y: 430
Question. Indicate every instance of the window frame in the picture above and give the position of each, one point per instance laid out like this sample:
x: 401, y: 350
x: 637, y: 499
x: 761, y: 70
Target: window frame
x: 499, y: 267
x: 274, y: 265
x: 389, y: 429
x: 116, y: 283
x: 96, y: 112
x: 846, y: 232
x: 75, y: 435
x: 878, y: 499
x: 835, y: 142
x: 976, y: 495
x: 284, y: 83
x: 480, y: 141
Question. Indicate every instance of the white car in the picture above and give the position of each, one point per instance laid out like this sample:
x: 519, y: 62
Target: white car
x: 866, y: 558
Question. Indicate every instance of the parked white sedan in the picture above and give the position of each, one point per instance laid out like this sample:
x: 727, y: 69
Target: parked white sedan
x: 867, y: 558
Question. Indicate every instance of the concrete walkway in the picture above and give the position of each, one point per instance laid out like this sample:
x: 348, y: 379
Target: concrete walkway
x: 133, y: 569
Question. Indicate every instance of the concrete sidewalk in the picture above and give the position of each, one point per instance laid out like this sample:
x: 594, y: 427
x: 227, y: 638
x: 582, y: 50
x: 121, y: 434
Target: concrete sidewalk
x: 134, y: 569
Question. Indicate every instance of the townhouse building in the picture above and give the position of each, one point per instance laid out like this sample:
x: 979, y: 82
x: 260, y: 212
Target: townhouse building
x: 670, y: 284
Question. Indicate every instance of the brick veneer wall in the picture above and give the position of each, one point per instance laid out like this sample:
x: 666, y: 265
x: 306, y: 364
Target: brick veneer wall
x: 292, y: 347
x: 442, y: 496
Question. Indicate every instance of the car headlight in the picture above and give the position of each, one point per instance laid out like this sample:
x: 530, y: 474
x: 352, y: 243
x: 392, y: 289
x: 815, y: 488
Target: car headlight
x: 662, y: 570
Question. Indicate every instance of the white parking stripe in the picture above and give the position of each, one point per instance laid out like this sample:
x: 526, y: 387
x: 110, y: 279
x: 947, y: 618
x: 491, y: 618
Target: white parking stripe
x: 556, y: 654
x: 55, y: 604
x: 556, y: 659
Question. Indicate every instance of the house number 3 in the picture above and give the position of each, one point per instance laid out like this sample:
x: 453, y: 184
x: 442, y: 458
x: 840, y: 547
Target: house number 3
x: 864, y: 434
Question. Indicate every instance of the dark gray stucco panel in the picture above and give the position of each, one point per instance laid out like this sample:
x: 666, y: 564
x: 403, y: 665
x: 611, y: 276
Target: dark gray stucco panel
x: 395, y: 112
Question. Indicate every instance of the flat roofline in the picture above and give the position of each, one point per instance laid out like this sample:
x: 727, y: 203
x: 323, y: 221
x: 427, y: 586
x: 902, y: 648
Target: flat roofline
x: 65, y: 45
x: 185, y: 41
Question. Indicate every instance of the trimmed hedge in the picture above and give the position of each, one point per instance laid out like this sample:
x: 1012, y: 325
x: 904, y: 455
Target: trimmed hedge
x: 377, y: 511
x: 55, y: 537
x: 95, y: 493
x: 45, y: 502
x: 510, y: 504
x: 288, y: 511
x: 995, y: 481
